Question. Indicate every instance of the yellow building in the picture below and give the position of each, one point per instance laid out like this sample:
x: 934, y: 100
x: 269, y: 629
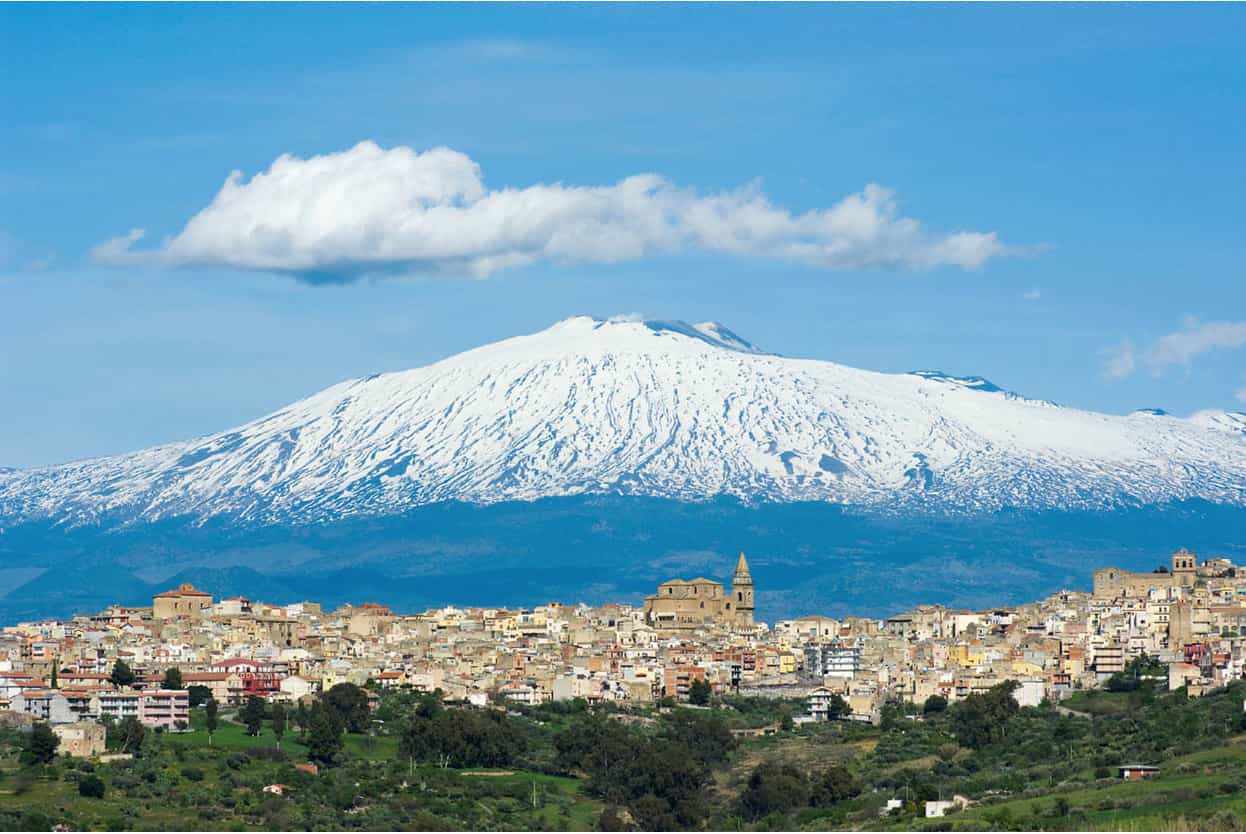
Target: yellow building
x: 963, y: 655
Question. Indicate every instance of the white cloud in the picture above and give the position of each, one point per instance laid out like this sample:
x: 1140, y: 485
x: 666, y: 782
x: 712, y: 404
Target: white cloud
x: 1120, y: 361
x: 1194, y: 339
x: 1176, y: 349
x: 370, y: 210
x: 117, y: 250
x: 1032, y: 295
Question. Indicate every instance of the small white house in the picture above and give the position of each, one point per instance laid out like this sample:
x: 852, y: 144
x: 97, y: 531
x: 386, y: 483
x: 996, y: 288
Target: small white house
x: 295, y: 687
x: 1029, y: 693
x: 939, y: 807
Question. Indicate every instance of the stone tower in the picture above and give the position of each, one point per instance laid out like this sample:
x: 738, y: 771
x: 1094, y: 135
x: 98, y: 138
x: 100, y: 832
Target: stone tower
x: 742, y: 592
x: 1184, y: 567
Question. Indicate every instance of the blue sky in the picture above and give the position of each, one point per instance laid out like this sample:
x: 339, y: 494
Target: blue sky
x: 1102, y: 145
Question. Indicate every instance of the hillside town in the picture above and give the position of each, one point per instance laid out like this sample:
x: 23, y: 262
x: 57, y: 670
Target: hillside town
x: 1189, y: 616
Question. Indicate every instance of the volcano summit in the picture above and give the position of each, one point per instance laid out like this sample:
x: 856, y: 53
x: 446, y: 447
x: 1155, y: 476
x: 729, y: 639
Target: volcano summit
x: 660, y: 409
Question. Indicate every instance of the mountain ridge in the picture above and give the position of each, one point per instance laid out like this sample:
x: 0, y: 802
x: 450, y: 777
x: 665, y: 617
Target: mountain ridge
x: 661, y: 408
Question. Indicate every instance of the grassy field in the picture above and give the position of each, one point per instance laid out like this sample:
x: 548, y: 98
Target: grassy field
x: 232, y: 736
x: 221, y: 799
x: 1188, y: 787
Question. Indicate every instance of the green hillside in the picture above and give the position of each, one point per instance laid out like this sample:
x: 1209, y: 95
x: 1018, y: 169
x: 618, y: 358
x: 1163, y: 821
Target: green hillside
x: 738, y: 764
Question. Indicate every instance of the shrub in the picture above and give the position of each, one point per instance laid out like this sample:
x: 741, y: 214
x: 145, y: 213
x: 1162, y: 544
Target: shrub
x: 92, y: 787
x: 23, y: 782
x: 271, y: 754
x: 192, y: 774
x: 775, y: 788
x: 124, y: 781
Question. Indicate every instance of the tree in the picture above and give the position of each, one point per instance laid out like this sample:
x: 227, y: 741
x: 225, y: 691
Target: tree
x: 210, y: 709
x: 130, y: 734
x: 122, y: 675
x: 707, y: 737
x: 91, y: 787
x: 279, y: 722
x: 253, y: 715
x: 837, y: 708
x: 172, y: 678
x: 463, y: 738
x: 199, y: 695
x: 301, y: 717
x: 40, y: 746
x: 661, y: 779
x: 1144, y: 665
x: 1121, y: 683
x: 349, y: 706
x: 774, y: 787
x: 699, y: 692
x: 53, y: 683
x: 935, y: 703
x: 834, y: 785
x: 324, y: 736
x: 980, y: 718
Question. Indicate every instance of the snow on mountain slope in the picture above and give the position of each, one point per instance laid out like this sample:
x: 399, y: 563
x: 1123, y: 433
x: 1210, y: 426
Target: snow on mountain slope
x: 653, y: 408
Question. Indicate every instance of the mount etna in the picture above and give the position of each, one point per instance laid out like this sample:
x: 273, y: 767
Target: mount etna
x: 591, y: 459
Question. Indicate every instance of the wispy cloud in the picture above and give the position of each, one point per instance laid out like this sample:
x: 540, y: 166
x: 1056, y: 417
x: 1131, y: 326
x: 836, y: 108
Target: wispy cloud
x: 1175, y: 350
x: 117, y: 250
x: 501, y: 50
x: 1032, y: 295
x: 371, y: 210
x: 1121, y: 361
x: 1195, y: 338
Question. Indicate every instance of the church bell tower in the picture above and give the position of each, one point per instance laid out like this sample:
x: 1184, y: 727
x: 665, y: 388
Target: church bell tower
x: 742, y: 592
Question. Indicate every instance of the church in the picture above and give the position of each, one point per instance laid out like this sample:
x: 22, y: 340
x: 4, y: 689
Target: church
x: 696, y: 603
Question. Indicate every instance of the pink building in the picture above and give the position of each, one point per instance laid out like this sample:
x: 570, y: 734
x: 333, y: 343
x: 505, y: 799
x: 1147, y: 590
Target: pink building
x: 164, y: 707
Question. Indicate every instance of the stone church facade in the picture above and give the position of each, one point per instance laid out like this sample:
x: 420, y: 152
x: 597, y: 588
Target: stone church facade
x: 1114, y: 583
x: 691, y: 604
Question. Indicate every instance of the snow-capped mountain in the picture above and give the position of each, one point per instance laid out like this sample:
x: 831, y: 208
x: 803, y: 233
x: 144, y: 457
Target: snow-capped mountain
x: 664, y: 409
